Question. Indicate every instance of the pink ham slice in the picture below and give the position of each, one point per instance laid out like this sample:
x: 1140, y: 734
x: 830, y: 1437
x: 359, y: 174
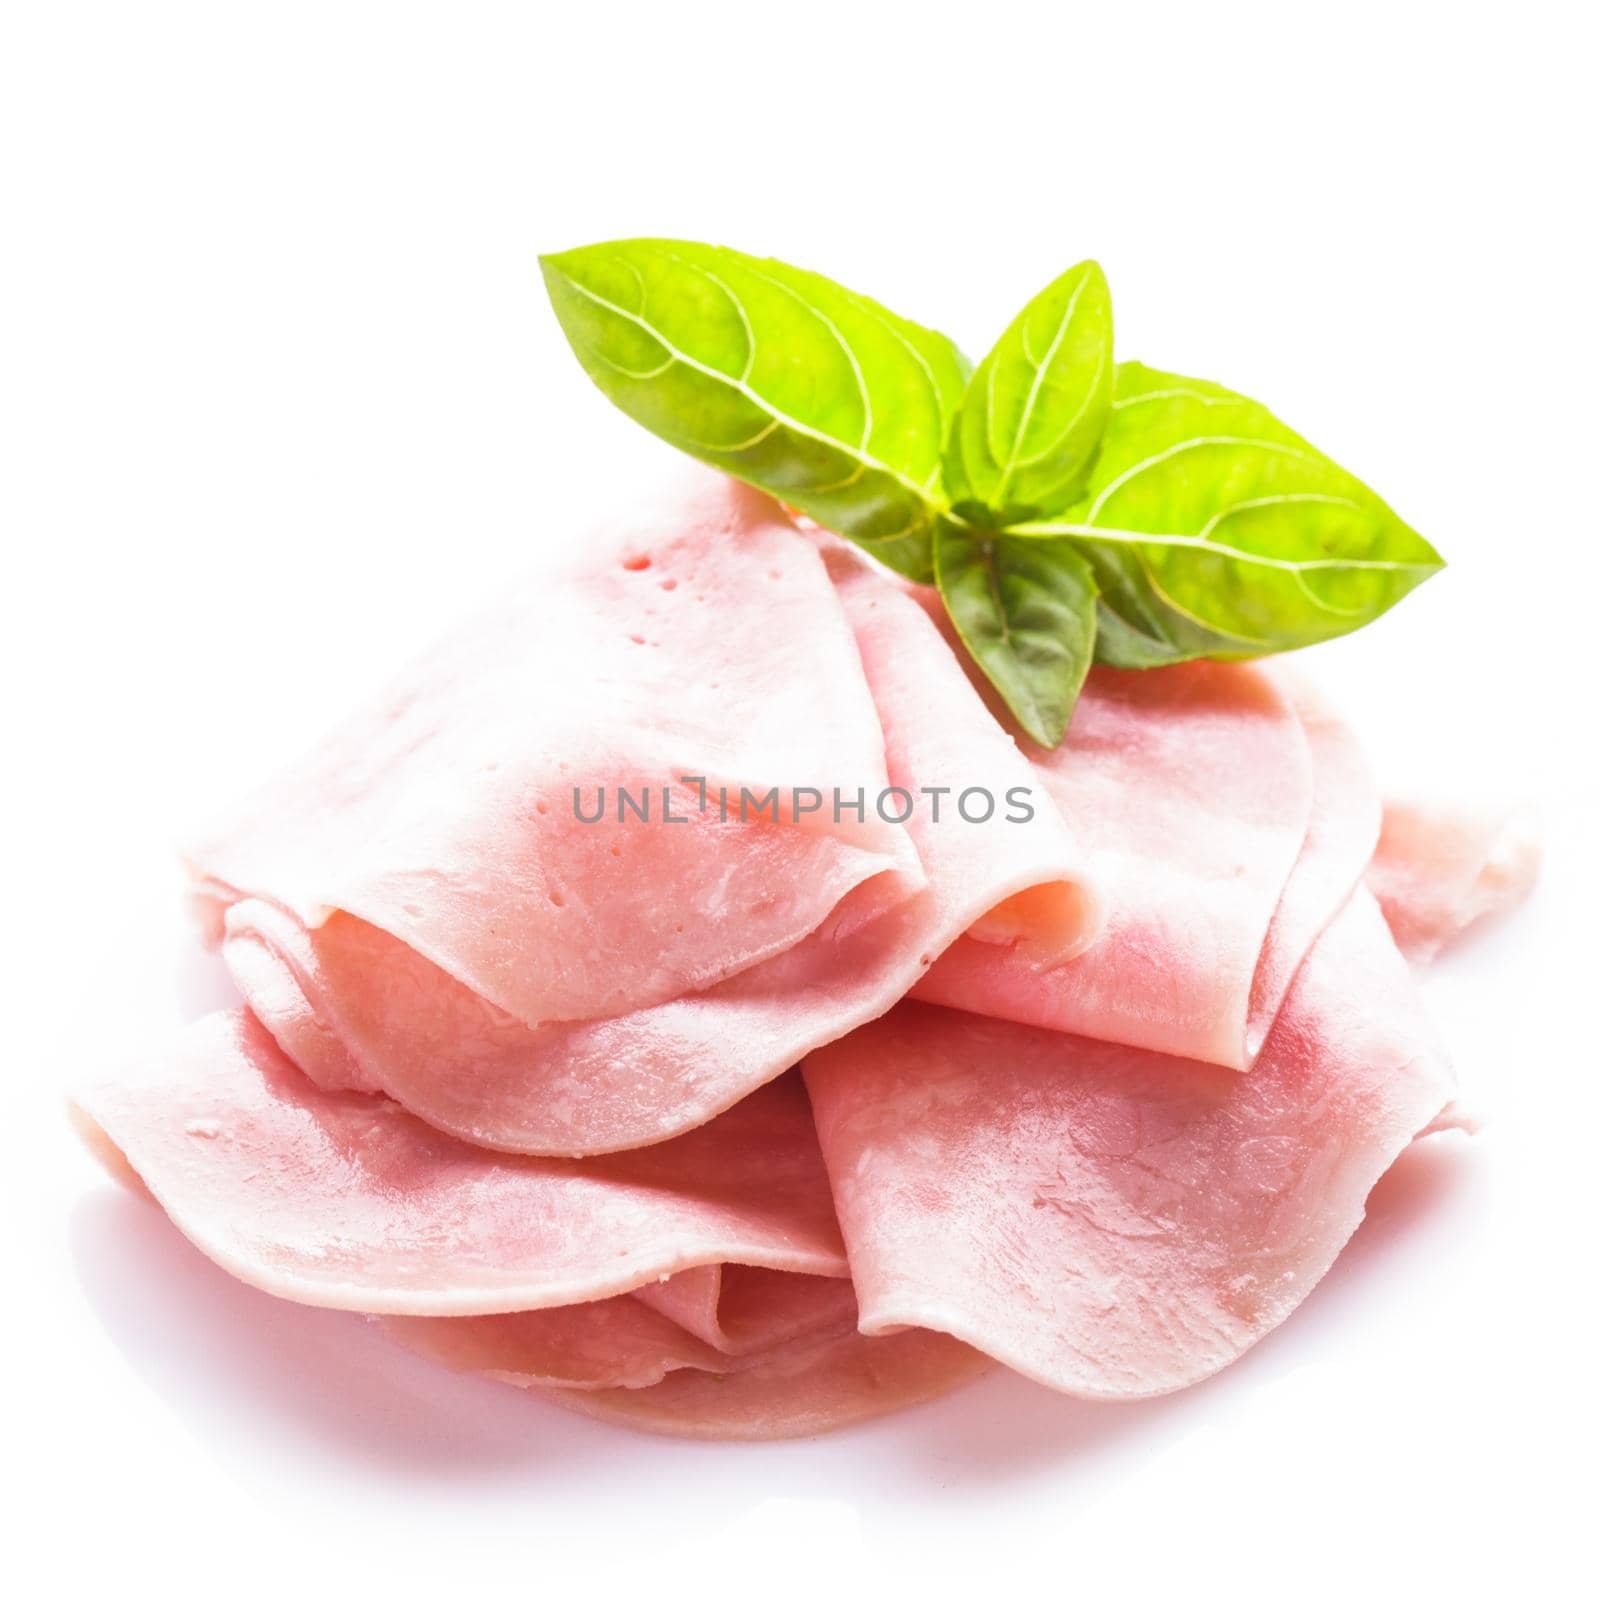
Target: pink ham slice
x: 600, y: 1344
x: 416, y: 910
x: 745, y: 1311
x: 632, y: 1340
x: 1109, y: 1222
x: 792, y: 1365
x: 713, y: 1257
x: 1229, y: 815
x: 346, y: 1200
x: 796, y: 1394
x: 1442, y: 867
x: 1341, y: 834
x: 702, y: 638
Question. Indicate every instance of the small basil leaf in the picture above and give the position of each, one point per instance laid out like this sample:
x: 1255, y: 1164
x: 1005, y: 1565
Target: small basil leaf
x: 1029, y: 422
x: 1215, y: 530
x: 1025, y: 610
x: 775, y: 375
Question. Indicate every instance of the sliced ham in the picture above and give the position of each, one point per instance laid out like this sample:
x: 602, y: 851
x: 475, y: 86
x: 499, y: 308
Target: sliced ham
x: 1341, y: 833
x: 1228, y: 815
x: 416, y: 909
x: 632, y: 1340
x: 702, y: 638
x: 609, y: 1273
x: 745, y: 1311
x: 1162, y: 1042
x: 618, y: 1342
x: 1109, y: 1222
x: 604, y: 1276
x: 346, y: 1200
x: 1441, y: 867
x: 809, y: 1391
x: 798, y: 1369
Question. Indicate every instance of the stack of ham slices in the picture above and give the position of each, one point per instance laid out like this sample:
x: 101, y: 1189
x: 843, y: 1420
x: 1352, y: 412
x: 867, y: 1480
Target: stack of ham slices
x: 752, y: 1125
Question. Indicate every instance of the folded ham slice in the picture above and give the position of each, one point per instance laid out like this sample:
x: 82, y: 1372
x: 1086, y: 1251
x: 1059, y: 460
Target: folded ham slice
x: 599, y: 1344
x: 1229, y: 815
x: 632, y: 1340
x: 745, y: 1311
x: 418, y: 908
x: 714, y: 1255
x: 346, y: 1200
x: 1440, y: 867
x: 622, y: 1362
x: 794, y: 1395
x: 1107, y: 1221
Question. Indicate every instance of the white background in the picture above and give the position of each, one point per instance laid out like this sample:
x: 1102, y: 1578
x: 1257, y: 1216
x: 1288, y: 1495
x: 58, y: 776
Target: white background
x: 281, y: 395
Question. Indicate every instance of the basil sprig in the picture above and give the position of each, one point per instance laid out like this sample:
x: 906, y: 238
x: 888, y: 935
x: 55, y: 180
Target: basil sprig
x: 1069, y: 508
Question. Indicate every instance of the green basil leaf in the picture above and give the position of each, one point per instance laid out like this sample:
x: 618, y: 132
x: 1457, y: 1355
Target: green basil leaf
x: 1025, y: 610
x: 1137, y: 628
x: 777, y: 376
x: 1214, y: 530
x: 1028, y: 425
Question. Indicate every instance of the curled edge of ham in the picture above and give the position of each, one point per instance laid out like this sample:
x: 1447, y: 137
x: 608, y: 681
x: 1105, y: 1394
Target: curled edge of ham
x: 347, y: 1201
x: 718, y: 1319
x: 1231, y: 812
x: 782, y: 1358
x: 654, y: 1377
x: 707, y: 1270
x: 1441, y: 867
x: 796, y: 1395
